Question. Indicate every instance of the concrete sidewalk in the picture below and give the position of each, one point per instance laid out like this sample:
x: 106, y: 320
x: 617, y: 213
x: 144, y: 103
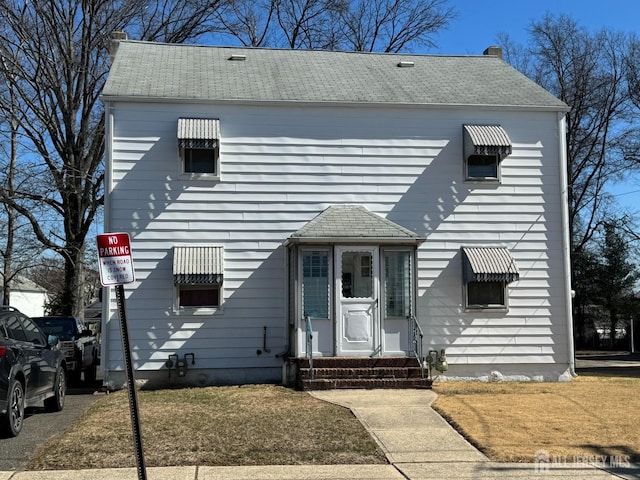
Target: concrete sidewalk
x: 418, y: 443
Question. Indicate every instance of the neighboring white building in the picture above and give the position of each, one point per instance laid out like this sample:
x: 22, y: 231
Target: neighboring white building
x: 28, y: 297
x: 261, y: 186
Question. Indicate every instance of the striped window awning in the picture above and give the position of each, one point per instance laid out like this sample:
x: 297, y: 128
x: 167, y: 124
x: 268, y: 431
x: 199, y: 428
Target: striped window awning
x: 198, y: 132
x: 486, y: 140
x: 198, y: 265
x: 488, y: 264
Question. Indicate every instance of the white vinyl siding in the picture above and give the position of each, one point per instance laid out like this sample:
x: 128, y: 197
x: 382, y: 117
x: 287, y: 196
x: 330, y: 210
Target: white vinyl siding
x: 282, y: 166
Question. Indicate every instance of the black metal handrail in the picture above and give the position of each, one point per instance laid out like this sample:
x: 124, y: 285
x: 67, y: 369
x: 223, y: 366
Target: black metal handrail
x: 416, y: 336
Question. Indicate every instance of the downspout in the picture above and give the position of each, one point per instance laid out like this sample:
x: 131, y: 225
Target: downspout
x: 566, y: 237
x: 106, y: 291
x: 287, y: 316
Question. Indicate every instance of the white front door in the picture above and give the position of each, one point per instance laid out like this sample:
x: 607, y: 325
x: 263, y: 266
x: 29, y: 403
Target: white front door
x: 357, y: 310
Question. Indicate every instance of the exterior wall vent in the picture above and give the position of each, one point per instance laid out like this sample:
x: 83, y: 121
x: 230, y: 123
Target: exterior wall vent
x: 405, y: 63
x: 237, y: 57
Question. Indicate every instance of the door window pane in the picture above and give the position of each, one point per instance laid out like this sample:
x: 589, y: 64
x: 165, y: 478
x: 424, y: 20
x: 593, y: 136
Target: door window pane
x: 315, y: 284
x: 357, y: 280
x: 397, y: 283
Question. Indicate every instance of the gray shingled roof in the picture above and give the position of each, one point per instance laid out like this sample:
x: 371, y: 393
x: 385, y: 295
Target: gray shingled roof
x: 353, y: 223
x: 144, y: 70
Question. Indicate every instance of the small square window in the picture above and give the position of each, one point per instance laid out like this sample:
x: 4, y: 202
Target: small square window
x: 482, y: 167
x: 486, y: 294
x: 200, y: 160
x: 194, y: 296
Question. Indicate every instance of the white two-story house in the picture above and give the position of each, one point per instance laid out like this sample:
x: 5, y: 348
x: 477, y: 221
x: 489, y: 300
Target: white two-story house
x: 274, y: 193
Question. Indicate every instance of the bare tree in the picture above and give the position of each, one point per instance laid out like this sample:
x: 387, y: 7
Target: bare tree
x: 393, y: 25
x: 355, y: 25
x: 591, y: 73
x: 248, y: 21
x: 54, y: 58
x: 18, y: 248
x: 596, y: 74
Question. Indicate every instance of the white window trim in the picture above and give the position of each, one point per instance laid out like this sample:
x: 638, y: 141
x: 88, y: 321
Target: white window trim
x: 412, y: 286
x: 299, y: 293
x: 193, y: 311
x: 211, y: 177
x: 485, y: 180
x: 485, y: 308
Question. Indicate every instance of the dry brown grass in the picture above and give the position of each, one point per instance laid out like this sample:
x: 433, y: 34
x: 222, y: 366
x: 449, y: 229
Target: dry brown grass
x: 250, y: 425
x: 258, y: 425
x: 510, y: 421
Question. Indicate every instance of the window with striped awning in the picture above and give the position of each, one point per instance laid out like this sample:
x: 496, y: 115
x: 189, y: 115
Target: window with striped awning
x: 485, y: 146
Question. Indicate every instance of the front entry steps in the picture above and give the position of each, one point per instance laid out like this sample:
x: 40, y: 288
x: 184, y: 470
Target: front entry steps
x: 359, y: 372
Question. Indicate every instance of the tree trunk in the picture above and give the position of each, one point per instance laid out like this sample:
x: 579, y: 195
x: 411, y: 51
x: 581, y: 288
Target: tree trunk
x: 72, y: 298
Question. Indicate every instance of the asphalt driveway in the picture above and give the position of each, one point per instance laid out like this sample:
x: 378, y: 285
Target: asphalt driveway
x: 617, y: 364
x: 40, y: 426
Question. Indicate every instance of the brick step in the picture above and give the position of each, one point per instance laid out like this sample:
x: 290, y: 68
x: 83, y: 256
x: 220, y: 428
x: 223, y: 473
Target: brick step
x: 364, y: 383
x: 357, y: 362
x: 362, y: 372
x: 359, y: 372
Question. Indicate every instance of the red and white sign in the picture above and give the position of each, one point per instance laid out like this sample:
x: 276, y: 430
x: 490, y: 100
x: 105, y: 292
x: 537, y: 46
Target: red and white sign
x: 115, y: 259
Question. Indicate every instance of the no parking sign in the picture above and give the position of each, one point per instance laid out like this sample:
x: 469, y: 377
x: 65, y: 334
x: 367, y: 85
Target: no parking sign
x: 114, y: 257
x: 116, y: 268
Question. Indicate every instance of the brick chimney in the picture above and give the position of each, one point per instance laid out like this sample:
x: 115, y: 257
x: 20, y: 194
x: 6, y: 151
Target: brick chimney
x: 115, y: 43
x: 493, y: 51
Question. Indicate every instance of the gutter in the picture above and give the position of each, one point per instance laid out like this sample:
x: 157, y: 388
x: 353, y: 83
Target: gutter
x: 329, y: 103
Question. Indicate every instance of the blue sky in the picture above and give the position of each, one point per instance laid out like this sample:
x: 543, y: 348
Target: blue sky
x: 479, y: 22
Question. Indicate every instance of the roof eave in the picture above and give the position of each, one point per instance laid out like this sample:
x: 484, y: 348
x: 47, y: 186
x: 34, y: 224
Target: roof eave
x: 329, y: 103
x: 355, y: 240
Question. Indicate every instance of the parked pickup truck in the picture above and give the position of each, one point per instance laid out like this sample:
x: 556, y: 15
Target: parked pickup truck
x: 78, y: 343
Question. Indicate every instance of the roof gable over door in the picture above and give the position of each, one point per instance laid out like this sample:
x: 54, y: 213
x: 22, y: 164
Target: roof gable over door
x: 353, y: 223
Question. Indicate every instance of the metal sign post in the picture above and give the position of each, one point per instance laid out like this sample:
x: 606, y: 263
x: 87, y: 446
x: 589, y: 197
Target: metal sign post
x: 116, y: 268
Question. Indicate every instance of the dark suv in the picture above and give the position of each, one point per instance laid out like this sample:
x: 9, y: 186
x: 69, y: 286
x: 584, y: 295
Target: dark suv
x: 32, y: 370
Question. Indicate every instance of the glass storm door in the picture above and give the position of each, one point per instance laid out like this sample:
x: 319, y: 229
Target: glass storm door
x: 357, y: 285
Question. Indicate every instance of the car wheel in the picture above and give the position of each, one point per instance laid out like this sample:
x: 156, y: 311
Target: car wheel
x: 56, y: 403
x: 14, y: 418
